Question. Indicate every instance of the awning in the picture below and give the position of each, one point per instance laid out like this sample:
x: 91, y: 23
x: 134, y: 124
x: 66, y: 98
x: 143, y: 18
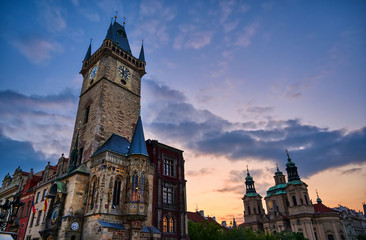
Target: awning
x: 111, y: 225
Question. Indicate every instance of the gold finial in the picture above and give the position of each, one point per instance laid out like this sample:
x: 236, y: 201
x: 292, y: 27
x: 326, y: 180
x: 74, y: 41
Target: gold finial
x: 317, y: 195
x: 124, y: 21
x: 115, y: 17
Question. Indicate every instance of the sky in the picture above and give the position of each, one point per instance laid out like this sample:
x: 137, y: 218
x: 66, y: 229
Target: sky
x: 232, y: 83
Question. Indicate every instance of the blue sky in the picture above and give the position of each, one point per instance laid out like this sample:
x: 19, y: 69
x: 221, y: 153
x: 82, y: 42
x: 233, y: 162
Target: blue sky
x: 232, y: 83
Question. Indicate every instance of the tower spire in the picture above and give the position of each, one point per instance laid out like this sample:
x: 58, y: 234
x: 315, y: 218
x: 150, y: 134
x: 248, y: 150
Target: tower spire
x: 291, y: 169
x: 318, y: 199
x: 88, y: 52
x: 138, y: 144
x: 142, y: 54
x: 249, y: 183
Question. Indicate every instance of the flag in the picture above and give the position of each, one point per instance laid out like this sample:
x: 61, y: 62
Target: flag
x: 45, y: 205
x: 33, y: 209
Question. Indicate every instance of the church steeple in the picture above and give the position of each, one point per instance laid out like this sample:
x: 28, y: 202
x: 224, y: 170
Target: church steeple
x: 117, y: 33
x: 88, y: 53
x: 142, y: 54
x: 138, y: 145
x: 279, y: 177
x: 291, y: 169
x: 318, y: 199
x: 249, y: 183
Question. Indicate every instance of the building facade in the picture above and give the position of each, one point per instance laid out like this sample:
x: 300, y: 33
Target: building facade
x: 109, y: 188
x: 289, y: 208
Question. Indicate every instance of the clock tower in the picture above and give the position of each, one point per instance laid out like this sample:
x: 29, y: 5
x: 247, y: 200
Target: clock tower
x: 110, y: 94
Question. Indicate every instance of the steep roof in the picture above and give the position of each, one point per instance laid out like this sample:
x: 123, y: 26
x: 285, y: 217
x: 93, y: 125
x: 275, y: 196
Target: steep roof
x: 197, y: 217
x: 117, y: 33
x: 88, y: 53
x: 116, y: 144
x: 321, y: 208
x: 138, y: 144
x: 142, y: 54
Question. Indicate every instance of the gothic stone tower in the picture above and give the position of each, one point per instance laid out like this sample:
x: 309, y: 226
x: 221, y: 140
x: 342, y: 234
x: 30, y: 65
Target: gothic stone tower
x: 110, y: 94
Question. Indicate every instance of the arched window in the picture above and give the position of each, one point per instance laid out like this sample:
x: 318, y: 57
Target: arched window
x: 134, y: 188
x: 142, y: 184
x: 249, y: 210
x: 165, y: 224
x: 294, y: 200
x: 171, y: 225
x: 92, y: 195
x: 306, y: 200
x: 116, y: 192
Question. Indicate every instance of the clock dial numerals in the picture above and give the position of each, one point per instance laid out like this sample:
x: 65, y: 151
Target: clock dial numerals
x: 93, y: 72
x: 124, y: 73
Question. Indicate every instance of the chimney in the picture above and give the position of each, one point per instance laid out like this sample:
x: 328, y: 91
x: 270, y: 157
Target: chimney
x: 202, y: 213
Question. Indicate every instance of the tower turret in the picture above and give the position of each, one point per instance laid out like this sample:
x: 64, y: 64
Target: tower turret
x: 291, y: 169
x: 279, y: 177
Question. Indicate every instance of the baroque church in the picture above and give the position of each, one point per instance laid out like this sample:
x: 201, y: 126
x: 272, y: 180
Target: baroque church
x: 114, y: 185
x: 289, y: 208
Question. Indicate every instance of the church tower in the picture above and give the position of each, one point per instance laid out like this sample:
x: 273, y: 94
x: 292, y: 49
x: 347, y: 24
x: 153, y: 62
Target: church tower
x: 110, y: 94
x: 253, y: 208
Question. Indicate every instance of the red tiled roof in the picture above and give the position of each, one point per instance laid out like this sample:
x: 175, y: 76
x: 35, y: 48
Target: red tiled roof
x: 195, y: 217
x: 321, y: 208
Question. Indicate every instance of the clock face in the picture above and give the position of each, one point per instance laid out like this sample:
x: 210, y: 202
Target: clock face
x: 54, y: 216
x: 124, y: 73
x: 93, y: 72
x: 75, y: 226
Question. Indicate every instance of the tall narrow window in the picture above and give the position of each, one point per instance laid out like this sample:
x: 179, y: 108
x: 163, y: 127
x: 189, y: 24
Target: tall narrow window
x: 306, y: 200
x: 92, y: 195
x: 134, y: 188
x: 142, y: 184
x: 81, y: 151
x: 168, y: 195
x: 169, y: 167
x: 249, y: 210
x: 294, y: 200
x: 116, y: 192
x: 86, y: 116
x: 37, y: 199
x: 165, y: 224
x: 44, y: 194
x: 39, y: 217
x: 171, y: 225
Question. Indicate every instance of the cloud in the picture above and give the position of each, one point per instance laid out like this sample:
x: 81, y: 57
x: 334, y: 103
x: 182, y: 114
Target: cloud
x: 37, y: 50
x: 201, y: 172
x: 245, y: 39
x: 191, y: 37
x: 313, y: 149
x: 44, y: 121
x: 19, y: 153
x: 351, y: 171
x: 52, y: 16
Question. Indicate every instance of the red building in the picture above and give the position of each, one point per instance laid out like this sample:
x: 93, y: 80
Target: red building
x: 169, y: 199
x: 26, y: 197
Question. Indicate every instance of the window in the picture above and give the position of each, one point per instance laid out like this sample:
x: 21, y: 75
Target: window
x: 116, y: 192
x: 330, y: 237
x: 39, y: 217
x: 171, y: 225
x: 92, y: 195
x: 168, y: 195
x: 32, y: 218
x: 306, y: 200
x: 165, y: 224
x: 249, y: 210
x: 169, y: 167
x: 134, y: 188
x: 44, y: 194
x: 38, y: 194
x: 168, y: 225
x: 29, y: 208
x: 81, y: 151
x: 86, y: 116
x: 294, y: 200
x: 142, y: 184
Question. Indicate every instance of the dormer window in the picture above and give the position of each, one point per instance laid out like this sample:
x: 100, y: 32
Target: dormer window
x: 121, y: 33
